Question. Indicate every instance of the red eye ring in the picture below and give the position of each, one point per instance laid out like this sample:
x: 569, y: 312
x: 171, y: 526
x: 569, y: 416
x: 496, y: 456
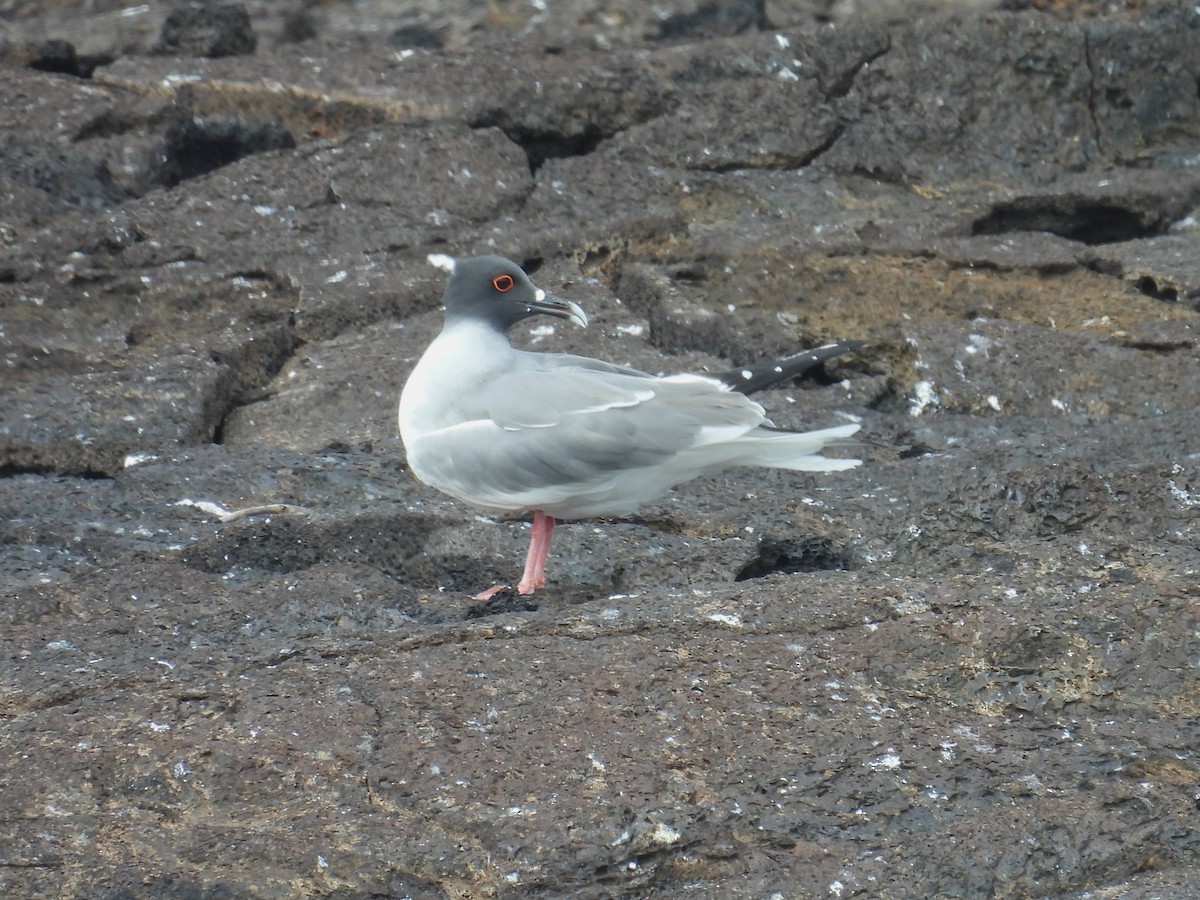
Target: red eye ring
x: 503, y: 283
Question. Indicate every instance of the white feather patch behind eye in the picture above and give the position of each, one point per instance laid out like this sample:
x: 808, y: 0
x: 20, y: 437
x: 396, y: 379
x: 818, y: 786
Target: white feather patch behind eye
x: 442, y: 261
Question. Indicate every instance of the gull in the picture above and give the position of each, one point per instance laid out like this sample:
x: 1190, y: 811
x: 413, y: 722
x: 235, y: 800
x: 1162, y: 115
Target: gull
x: 570, y: 437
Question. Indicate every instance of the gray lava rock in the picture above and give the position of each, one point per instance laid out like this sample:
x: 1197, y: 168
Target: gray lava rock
x: 239, y: 653
x: 207, y: 29
x: 715, y: 19
x: 193, y: 146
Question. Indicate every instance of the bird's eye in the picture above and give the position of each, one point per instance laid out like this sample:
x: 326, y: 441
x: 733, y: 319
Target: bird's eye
x: 503, y: 283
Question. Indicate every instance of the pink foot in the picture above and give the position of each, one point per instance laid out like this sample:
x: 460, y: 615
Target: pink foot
x: 490, y: 592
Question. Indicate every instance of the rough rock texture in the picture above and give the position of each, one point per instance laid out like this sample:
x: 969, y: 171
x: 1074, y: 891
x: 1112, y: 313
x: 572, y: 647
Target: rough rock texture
x: 969, y: 668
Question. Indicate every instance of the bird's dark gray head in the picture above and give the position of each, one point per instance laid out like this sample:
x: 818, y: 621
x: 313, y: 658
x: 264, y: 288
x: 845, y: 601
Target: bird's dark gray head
x: 495, y: 290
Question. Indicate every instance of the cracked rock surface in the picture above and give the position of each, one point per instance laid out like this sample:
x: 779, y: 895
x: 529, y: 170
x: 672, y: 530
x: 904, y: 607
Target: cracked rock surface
x: 238, y: 656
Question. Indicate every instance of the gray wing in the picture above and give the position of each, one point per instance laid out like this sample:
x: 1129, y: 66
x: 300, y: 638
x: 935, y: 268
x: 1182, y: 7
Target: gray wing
x: 556, y: 429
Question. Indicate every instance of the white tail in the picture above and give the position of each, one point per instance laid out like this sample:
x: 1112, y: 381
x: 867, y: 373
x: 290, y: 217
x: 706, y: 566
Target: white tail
x: 796, y: 450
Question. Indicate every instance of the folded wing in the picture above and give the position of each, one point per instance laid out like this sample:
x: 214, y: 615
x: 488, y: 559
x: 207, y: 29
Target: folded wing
x: 534, y: 437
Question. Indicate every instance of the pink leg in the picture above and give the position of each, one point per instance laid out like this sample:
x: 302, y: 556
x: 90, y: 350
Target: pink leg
x: 544, y: 551
x: 539, y: 548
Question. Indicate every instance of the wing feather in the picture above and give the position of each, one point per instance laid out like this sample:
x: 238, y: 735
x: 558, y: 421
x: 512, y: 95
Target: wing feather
x: 537, y: 436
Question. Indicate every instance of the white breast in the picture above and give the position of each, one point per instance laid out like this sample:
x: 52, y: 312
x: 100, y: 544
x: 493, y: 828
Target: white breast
x: 447, y: 377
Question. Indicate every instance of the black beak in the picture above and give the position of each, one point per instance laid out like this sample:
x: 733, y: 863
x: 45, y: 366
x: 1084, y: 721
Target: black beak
x: 558, y: 306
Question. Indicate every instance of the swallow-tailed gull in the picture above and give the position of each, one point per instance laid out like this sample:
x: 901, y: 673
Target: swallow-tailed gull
x: 566, y: 436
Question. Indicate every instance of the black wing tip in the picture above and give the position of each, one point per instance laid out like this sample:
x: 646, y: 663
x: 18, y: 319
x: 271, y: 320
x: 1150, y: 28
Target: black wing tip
x: 770, y: 371
x: 834, y: 348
